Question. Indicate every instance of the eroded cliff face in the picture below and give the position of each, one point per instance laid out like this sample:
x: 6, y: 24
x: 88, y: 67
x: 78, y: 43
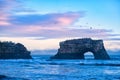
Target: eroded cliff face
x: 9, y: 50
x: 75, y: 49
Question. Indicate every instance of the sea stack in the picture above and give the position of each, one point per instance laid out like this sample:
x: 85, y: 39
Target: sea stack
x: 10, y: 50
x: 76, y: 48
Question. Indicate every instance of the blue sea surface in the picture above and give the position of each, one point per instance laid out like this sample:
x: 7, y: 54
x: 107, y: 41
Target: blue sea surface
x: 42, y: 68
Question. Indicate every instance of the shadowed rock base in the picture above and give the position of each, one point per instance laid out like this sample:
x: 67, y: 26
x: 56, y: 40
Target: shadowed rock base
x: 75, y: 49
x: 2, y: 77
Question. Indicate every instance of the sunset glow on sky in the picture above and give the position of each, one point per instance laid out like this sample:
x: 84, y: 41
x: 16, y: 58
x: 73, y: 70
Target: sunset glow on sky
x: 42, y: 24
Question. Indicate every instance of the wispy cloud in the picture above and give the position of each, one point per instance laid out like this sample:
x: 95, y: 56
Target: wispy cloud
x: 6, y: 7
x: 37, y: 24
x: 51, y: 19
x: 8, y: 17
x: 50, y: 25
x: 113, y: 39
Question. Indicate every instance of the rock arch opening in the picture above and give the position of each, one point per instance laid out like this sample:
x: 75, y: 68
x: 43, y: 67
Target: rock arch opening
x: 89, y: 56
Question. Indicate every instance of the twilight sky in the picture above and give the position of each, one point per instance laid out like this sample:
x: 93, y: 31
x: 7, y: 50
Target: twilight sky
x: 42, y: 24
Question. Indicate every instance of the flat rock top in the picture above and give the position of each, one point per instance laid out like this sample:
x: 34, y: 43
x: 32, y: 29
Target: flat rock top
x: 79, y: 41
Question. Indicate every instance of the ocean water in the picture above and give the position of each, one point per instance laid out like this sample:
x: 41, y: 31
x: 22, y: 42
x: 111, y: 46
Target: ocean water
x: 42, y: 68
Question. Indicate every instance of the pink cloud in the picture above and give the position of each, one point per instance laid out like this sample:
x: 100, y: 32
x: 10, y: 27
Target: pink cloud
x: 51, y: 19
x: 4, y: 19
x: 5, y: 8
x: 53, y: 25
x: 33, y: 23
x: 68, y: 18
x: 4, y: 23
x: 65, y: 20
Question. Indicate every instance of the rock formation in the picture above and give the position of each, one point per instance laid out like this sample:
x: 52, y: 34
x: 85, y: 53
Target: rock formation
x: 10, y: 50
x: 75, y: 49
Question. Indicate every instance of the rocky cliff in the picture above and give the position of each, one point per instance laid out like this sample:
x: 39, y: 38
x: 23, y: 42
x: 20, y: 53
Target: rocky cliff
x: 76, y: 48
x: 10, y: 50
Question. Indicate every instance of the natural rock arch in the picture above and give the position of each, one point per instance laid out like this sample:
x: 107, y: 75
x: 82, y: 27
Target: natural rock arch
x: 75, y: 49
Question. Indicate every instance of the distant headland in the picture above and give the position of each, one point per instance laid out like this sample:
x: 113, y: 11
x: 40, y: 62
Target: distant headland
x: 10, y: 50
x: 76, y: 48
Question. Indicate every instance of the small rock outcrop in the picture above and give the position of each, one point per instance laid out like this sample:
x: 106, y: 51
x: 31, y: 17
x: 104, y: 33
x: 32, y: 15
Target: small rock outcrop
x: 76, y: 48
x: 10, y: 50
